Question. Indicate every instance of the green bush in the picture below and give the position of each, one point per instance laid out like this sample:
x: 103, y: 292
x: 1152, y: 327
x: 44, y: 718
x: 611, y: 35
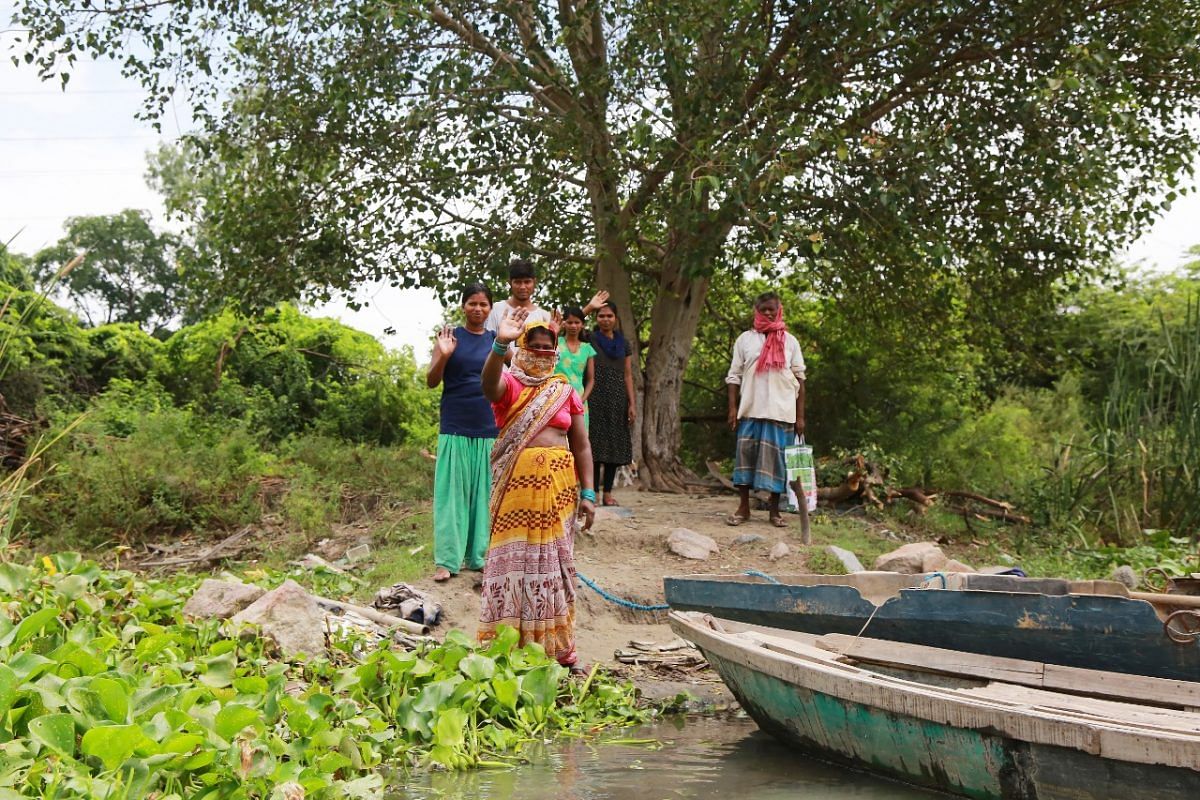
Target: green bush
x: 284, y: 373
x: 127, y: 476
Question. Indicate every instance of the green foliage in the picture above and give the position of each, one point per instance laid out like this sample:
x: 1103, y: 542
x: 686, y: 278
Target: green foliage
x: 43, y: 350
x: 137, y: 468
x: 1150, y: 431
x: 106, y: 693
x: 284, y: 373
x: 120, y: 350
x: 140, y: 468
x: 127, y: 272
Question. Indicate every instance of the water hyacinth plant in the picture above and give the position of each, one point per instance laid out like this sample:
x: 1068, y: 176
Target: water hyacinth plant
x: 106, y: 692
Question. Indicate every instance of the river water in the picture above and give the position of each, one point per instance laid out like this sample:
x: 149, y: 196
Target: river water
x: 694, y: 758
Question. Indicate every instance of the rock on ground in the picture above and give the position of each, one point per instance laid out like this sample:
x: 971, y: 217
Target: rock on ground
x: 291, y: 617
x: 1125, y: 574
x: 748, y: 538
x: 689, y: 544
x: 954, y: 565
x: 847, y: 559
x: 216, y: 599
x: 912, y: 559
x: 780, y: 550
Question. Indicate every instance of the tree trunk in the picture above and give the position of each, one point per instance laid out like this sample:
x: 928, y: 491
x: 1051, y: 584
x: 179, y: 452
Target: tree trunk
x: 673, y: 324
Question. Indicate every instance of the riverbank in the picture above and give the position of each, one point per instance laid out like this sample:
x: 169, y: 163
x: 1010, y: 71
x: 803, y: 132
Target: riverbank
x: 626, y: 554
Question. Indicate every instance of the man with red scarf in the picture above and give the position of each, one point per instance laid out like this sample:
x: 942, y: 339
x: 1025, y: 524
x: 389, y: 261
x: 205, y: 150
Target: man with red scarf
x: 766, y: 406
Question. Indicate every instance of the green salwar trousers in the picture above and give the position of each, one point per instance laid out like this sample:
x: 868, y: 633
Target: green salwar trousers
x: 462, y: 486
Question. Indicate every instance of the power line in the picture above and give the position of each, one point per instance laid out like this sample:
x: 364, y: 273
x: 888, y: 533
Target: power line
x: 62, y: 93
x: 84, y: 138
x: 19, y: 173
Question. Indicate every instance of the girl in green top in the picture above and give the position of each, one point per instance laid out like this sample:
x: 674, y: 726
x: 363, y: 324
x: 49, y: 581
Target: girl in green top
x: 575, y: 356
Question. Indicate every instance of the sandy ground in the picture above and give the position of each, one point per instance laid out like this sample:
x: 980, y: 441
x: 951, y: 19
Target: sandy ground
x: 627, y: 555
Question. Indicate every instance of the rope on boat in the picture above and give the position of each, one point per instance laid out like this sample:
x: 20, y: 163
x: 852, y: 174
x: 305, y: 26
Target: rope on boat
x: 755, y: 573
x: 612, y: 598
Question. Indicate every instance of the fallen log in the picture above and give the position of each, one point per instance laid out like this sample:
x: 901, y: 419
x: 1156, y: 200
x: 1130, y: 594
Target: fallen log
x: 992, y: 513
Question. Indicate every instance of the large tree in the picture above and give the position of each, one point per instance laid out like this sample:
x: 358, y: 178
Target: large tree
x: 127, y: 272
x: 877, y: 145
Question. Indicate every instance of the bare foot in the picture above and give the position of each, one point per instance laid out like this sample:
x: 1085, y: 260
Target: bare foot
x: 442, y: 574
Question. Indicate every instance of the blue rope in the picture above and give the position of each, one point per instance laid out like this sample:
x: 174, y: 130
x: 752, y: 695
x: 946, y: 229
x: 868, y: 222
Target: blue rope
x: 612, y: 598
x: 758, y: 574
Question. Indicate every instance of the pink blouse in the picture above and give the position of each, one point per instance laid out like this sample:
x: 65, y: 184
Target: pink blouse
x: 512, y: 390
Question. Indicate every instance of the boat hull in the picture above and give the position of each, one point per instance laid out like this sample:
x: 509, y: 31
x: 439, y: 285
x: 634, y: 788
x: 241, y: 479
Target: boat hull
x: 964, y: 762
x: 1099, y: 632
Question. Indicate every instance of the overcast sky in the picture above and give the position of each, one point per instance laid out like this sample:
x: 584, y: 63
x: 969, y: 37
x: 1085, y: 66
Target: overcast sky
x: 82, y: 152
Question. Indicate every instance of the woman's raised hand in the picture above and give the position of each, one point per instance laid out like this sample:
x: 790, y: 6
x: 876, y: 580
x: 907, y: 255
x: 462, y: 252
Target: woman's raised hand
x: 445, y: 341
x: 598, y: 300
x: 512, y: 326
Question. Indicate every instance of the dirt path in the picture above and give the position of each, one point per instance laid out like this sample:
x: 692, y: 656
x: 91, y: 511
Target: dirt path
x: 627, y: 555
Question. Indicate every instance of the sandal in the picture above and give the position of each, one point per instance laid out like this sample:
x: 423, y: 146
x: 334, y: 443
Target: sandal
x: 441, y: 574
x: 578, y: 671
x: 610, y: 501
x: 736, y: 519
x: 779, y: 522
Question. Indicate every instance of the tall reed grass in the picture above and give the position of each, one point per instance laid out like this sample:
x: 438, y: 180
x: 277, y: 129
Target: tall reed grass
x: 1149, y: 435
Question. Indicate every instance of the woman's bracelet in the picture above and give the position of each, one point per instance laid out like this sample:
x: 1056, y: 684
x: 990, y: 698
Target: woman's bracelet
x: 499, y: 348
x: 587, y: 494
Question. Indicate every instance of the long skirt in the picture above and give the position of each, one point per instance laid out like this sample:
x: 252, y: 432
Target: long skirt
x: 529, y: 577
x: 462, y: 486
x: 760, y: 462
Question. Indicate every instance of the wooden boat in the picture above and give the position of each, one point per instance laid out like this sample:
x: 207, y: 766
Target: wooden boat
x: 1087, y: 624
x: 969, y: 725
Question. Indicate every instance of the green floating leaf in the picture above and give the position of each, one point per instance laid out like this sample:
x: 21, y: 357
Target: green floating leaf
x: 233, y: 719
x: 29, y: 627
x: 113, y: 696
x: 112, y: 744
x: 506, y: 691
x: 56, y: 731
x: 219, y: 670
x: 450, y: 729
x: 540, y: 685
x: 14, y: 578
x: 477, y: 667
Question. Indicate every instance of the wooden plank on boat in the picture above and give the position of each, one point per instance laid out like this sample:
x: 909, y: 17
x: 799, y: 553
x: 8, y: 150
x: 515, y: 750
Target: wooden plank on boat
x: 933, y: 659
x: 1092, y: 709
x: 1115, y: 685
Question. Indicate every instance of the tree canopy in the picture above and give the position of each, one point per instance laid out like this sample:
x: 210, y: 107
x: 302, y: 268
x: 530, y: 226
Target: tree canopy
x: 893, y: 151
x: 127, y: 271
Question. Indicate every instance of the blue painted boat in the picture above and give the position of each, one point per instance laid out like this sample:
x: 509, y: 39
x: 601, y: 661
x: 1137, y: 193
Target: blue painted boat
x: 1086, y: 624
x: 940, y: 719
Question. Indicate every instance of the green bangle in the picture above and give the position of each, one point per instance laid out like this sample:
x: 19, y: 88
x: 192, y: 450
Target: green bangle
x: 587, y: 494
x: 500, y: 349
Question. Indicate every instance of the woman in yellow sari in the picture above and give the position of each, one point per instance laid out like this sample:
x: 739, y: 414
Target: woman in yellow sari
x: 541, y: 487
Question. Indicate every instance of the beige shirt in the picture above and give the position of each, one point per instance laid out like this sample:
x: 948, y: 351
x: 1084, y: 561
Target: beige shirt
x: 503, y: 309
x: 766, y: 395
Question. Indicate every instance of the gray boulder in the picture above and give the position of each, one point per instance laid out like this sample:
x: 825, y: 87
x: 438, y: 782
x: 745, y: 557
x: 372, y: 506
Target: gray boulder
x: 780, y: 550
x: 847, y: 559
x: 912, y: 559
x: 689, y: 544
x: 954, y: 565
x: 216, y: 599
x: 290, y: 616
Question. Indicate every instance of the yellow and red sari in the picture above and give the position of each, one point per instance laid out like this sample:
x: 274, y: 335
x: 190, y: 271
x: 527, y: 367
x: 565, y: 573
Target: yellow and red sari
x: 529, y: 576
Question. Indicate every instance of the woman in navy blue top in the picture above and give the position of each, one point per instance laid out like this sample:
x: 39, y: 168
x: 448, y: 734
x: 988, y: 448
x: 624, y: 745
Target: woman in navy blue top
x: 462, y: 482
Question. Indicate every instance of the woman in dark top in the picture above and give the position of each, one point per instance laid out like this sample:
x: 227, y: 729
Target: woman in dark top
x: 611, y: 406
x: 462, y: 482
